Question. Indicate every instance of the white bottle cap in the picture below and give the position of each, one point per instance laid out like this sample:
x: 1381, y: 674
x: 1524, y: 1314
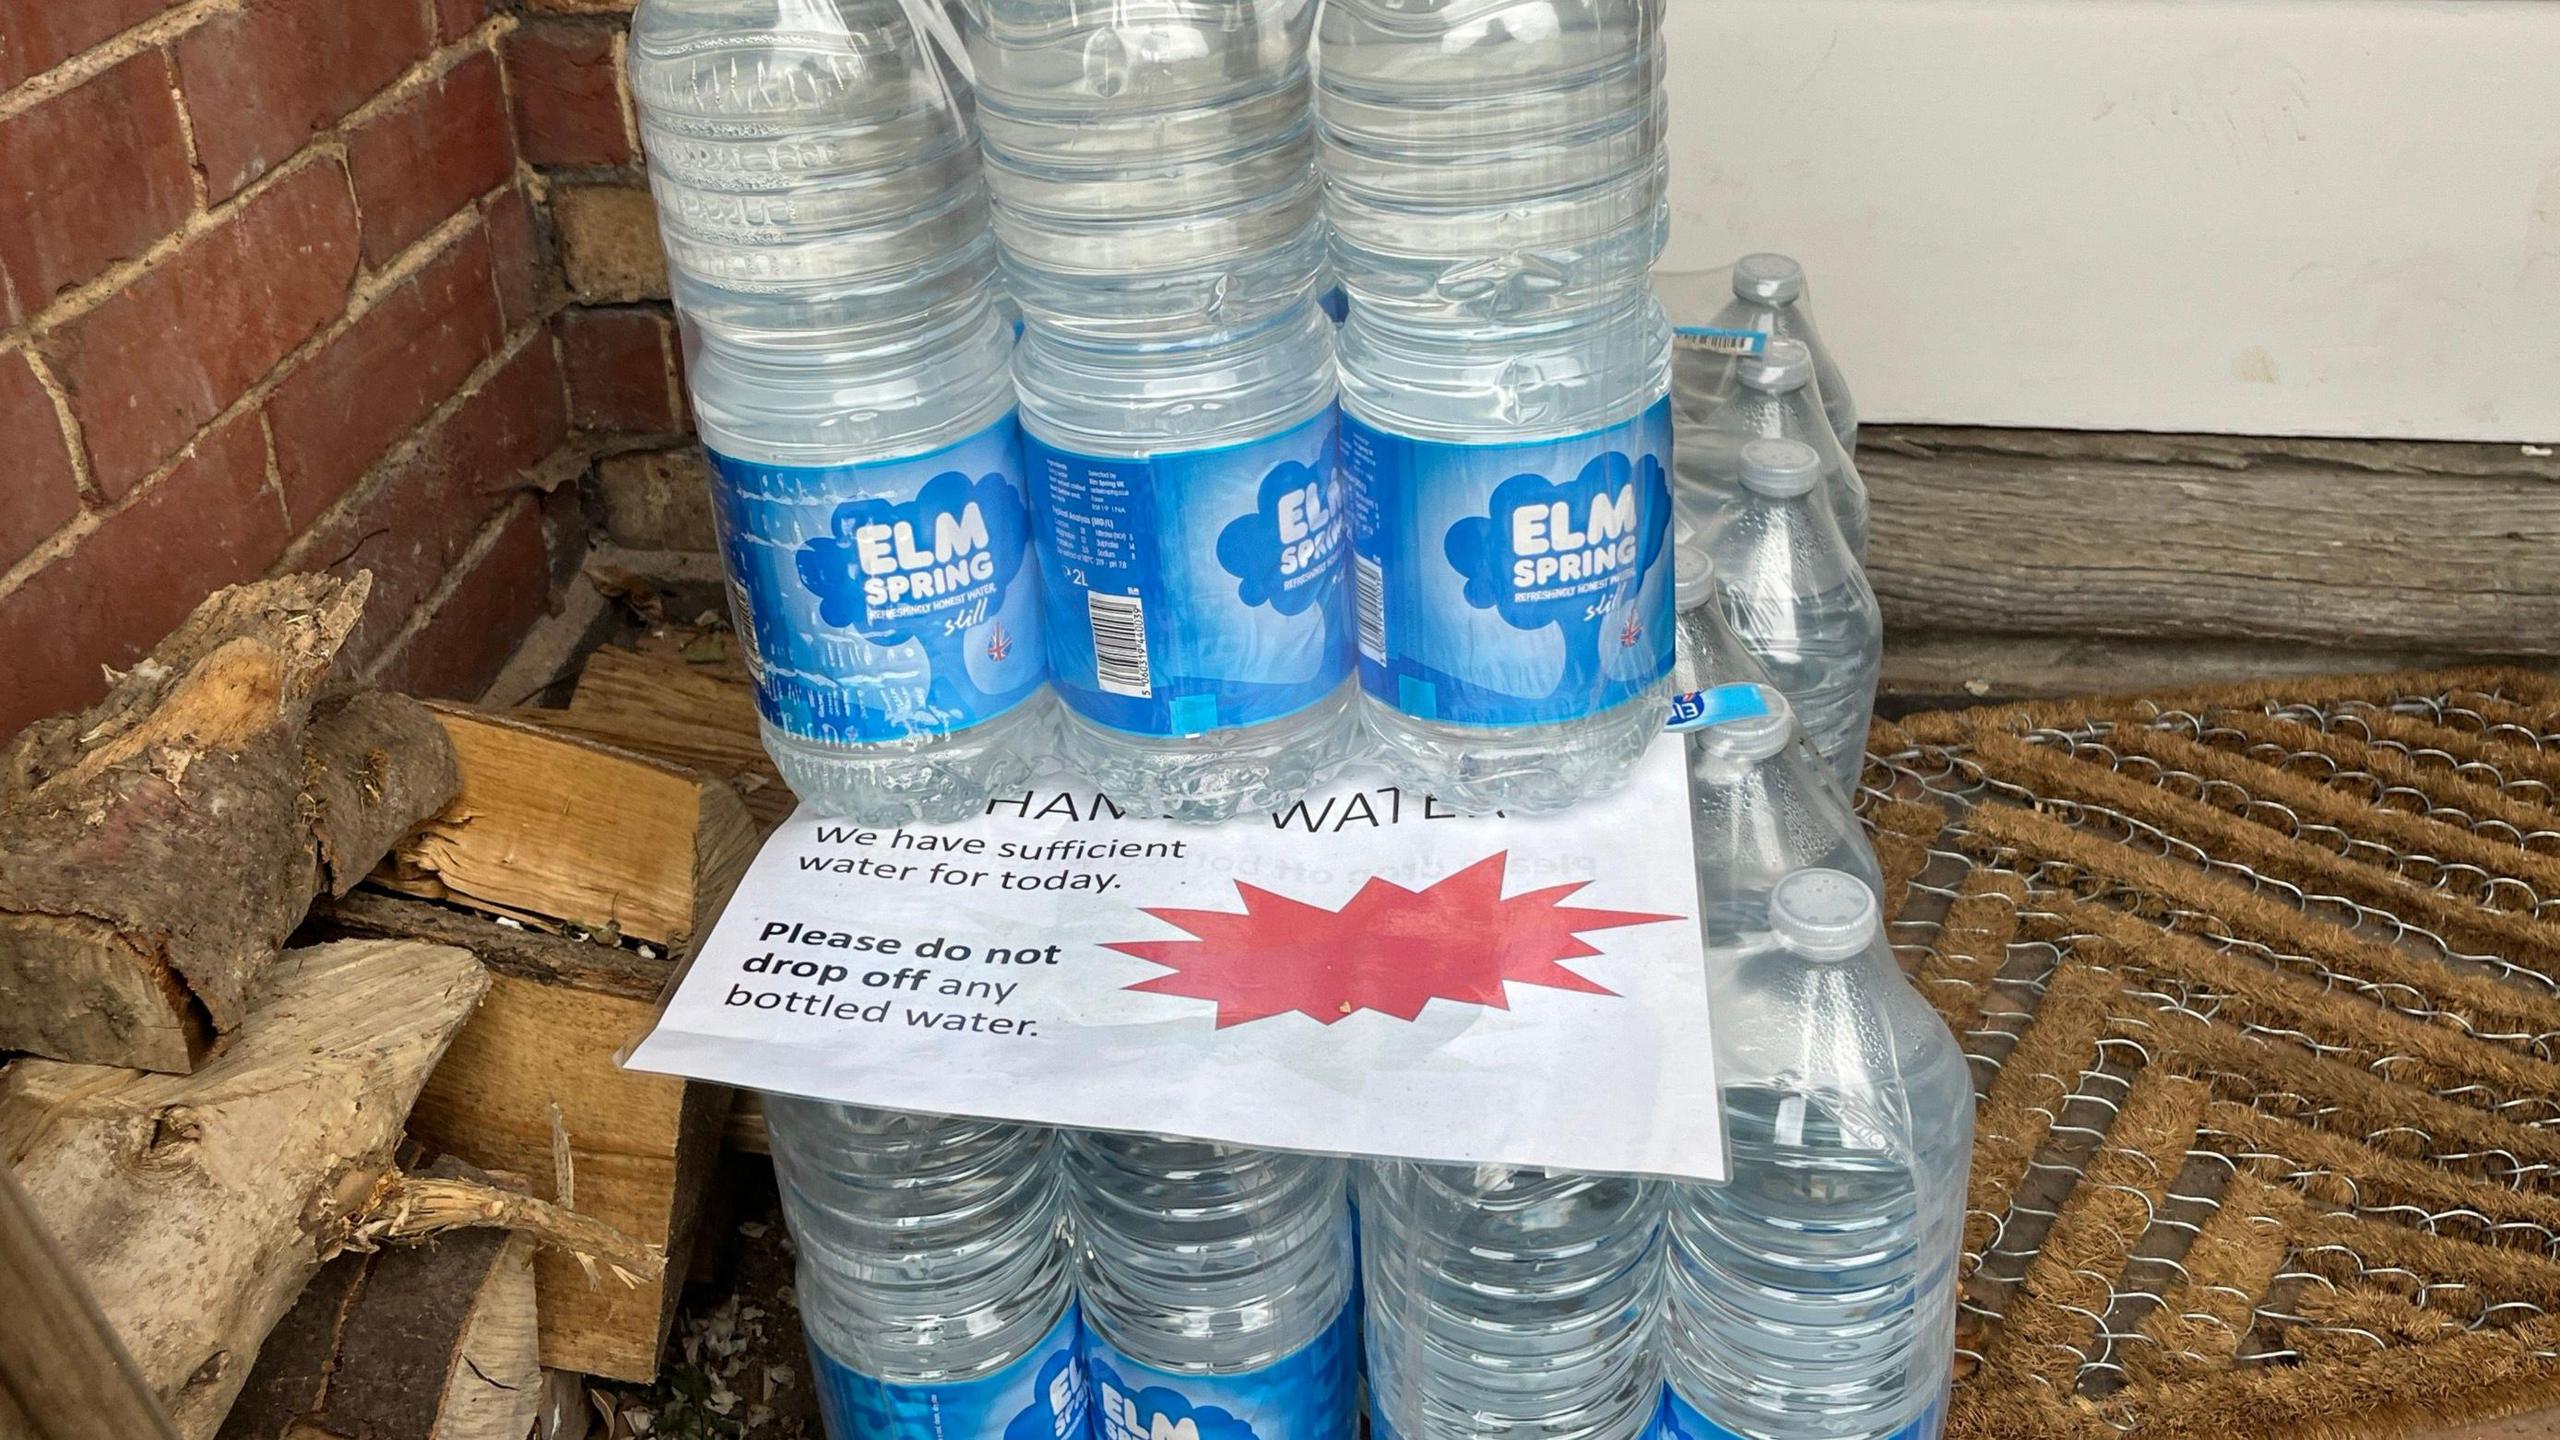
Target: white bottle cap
x: 1782, y: 368
x: 1693, y: 572
x: 1770, y: 279
x: 1780, y: 469
x: 1824, y: 914
x: 1759, y: 728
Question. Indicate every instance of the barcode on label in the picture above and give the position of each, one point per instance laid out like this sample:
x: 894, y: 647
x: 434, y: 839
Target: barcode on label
x: 1718, y: 340
x: 1372, y: 585
x: 1120, y: 644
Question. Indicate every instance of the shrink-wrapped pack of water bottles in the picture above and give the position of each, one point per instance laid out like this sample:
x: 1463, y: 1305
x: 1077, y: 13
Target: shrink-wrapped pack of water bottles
x: 1202, y: 396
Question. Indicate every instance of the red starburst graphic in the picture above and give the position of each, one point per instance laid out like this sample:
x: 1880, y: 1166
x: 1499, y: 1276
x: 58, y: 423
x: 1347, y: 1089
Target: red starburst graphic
x: 1391, y: 950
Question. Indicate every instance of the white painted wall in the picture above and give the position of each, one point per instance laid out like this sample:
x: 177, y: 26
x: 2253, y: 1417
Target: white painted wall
x: 2320, y: 217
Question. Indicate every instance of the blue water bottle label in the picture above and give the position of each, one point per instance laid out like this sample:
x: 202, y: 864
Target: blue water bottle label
x: 1699, y: 709
x: 1681, y: 1421
x: 1042, y: 1396
x: 1199, y: 591
x: 885, y: 600
x: 1510, y: 585
x: 1313, y: 1394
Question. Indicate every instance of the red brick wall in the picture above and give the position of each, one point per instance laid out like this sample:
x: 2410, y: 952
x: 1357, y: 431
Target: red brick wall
x: 574, y: 120
x: 276, y: 293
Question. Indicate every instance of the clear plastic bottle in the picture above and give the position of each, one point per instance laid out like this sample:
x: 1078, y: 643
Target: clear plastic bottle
x: 935, y: 1273
x: 1509, y: 1303
x: 1768, y: 296
x: 1812, y: 1296
x: 1710, y: 654
x: 1773, y: 398
x: 1496, y: 181
x: 825, y: 228
x: 1153, y: 172
x: 1799, y: 601
x: 1762, y: 807
x: 1217, y: 1281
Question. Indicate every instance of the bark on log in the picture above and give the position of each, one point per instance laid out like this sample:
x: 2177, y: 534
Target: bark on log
x: 432, y: 1342
x: 225, y: 754
x: 196, y: 1206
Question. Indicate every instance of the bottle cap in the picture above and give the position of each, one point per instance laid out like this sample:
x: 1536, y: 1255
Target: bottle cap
x: 1770, y: 279
x: 1693, y: 572
x: 1753, y: 729
x: 1780, y: 469
x: 1784, y: 367
x: 1823, y: 914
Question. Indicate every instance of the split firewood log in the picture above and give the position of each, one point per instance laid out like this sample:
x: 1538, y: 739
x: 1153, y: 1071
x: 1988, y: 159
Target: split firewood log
x: 197, y: 1206
x: 157, y: 848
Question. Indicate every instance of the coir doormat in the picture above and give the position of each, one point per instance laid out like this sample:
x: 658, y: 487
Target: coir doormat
x: 2262, y: 991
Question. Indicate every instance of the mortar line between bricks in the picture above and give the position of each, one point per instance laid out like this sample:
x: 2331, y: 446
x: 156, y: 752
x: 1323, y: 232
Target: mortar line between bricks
x: 275, y: 477
x: 72, y: 440
x: 363, y: 295
x: 406, y: 448
x: 196, y: 182
x: 78, y: 70
x: 423, y: 614
x: 433, y: 67
x: 626, y: 103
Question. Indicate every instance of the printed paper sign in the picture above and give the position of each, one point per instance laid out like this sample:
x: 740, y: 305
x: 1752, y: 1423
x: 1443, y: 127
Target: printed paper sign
x: 1365, y: 973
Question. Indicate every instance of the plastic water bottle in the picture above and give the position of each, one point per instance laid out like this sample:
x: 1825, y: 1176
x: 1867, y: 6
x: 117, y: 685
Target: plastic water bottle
x: 1510, y: 1302
x: 1217, y: 1289
x: 1153, y: 172
x: 935, y: 1274
x: 825, y: 228
x: 1812, y: 1297
x: 1495, y: 176
x: 1800, y: 602
x: 1762, y: 807
x: 1768, y: 296
x: 1773, y: 398
x: 1710, y: 654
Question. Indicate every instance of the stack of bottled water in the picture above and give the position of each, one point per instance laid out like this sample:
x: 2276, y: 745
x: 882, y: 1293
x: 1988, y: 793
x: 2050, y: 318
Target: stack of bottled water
x: 1221, y: 548
x: 1496, y: 182
x: 826, y: 234
x: 1785, y: 555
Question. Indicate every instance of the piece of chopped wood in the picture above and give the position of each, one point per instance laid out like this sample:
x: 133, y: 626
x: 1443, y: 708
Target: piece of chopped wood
x: 420, y: 1342
x: 223, y: 753
x: 197, y: 1205
x: 690, y: 715
x: 63, y: 1372
x: 556, y: 829
x: 642, y: 1147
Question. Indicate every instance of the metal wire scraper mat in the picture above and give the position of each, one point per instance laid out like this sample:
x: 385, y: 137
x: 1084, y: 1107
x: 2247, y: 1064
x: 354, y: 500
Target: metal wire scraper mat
x: 2261, y: 987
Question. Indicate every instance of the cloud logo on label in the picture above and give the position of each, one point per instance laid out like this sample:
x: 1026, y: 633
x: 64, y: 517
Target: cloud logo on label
x: 1543, y: 551
x: 1057, y: 1411
x: 1291, y: 542
x: 940, y: 561
x: 1156, y: 1413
